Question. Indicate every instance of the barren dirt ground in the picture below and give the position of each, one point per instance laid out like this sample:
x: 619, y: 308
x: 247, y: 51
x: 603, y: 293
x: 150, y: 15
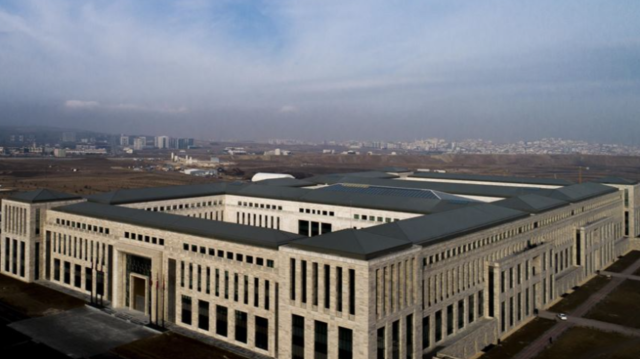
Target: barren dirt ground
x: 90, y: 175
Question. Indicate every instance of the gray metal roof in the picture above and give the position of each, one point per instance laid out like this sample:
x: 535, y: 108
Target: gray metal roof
x: 352, y: 243
x: 237, y: 233
x: 451, y: 188
x: 616, y: 180
x: 531, y: 203
x: 395, y: 169
x: 360, y: 200
x: 486, y: 178
x: 581, y: 192
x: 429, y: 230
x: 125, y: 196
x: 42, y: 196
x: 394, y: 191
x: 285, y: 182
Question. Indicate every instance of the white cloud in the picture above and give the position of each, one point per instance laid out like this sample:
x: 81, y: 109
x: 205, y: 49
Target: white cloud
x: 80, y: 105
x: 95, y: 105
x: 288, y: 109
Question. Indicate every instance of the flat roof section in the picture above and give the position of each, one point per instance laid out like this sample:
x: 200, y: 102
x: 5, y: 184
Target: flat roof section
x: 42, y: 196
x: 436, y: 228
x: 616, y: 180
x: 488, y: 178
x: 232, y: 232
x: 353, y: 243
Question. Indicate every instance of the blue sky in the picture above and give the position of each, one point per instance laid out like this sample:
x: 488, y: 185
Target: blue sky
x: 325, y: 69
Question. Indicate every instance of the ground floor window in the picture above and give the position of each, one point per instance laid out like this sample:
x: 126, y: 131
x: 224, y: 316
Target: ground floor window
x: 77, y: 276
x: 221, y: 320
x: 320, y: 346
x: 345, y: 343
x: 262, y: 333
x: 88, y: 279
x: 381, y: 343
x: 203, y: 315
x: 395, y: 340
x: 186, y: 310
x: 241, y: 326
x: 67, y: 273
x: 56, y: 269
x: 297, y: 337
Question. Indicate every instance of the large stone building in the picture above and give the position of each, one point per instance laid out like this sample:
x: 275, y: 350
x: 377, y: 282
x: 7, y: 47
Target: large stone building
x: 360, y: 265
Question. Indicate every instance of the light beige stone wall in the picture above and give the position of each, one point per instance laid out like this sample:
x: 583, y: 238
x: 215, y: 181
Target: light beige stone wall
x: 419, y: 281
x: 22, y: 223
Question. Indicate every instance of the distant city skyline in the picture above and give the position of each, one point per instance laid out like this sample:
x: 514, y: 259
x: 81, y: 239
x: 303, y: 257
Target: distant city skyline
x: 314, y: 70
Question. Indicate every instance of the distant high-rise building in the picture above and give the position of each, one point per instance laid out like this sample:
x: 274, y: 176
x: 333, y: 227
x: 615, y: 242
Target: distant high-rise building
x: 68, y: 137
x: 139, y: 143
x: 184, y: 143
x: 124, y: 141
x: 162, y: 142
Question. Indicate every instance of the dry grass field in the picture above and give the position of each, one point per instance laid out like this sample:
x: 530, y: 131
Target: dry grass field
x: 91, y: 175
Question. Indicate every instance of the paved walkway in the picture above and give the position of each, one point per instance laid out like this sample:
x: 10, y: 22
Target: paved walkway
x: 620, y: 275
x: 82, y: 332
x: 584, y: 322
x: 541, y: 343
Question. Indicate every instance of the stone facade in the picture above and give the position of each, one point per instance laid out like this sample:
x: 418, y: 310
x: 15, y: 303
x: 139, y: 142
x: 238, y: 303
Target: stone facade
x: 452, y: 297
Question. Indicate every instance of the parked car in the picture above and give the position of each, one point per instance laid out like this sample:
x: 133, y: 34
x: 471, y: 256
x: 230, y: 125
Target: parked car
x: 562, y: 316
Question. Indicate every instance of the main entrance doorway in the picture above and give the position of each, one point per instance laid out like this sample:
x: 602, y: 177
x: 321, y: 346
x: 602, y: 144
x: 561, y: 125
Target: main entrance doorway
x: 139, y: 294
x: 137, y: 283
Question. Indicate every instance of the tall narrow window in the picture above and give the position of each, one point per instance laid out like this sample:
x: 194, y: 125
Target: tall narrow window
x: 426, y: 332
x: 266, y: 295
x: 297, y: 337
x: 186, y: 310
x: 221, y: 320
x: 246, y: 289
x: 203, y: 315
x: 345, y: 343
x: 315, y: 283
x: 256, y: 292
x: 292, y: 279
x: 241, y: 326
x: 262, y: 333
x: 381, y: 343
x: 352, y: 291
x: 327, y: 286
x: 303, y: 266
x: 409, y: 333
x: 320, y: 345
x: 395, y: 340
x: 438, y: 326
x: 339, y: 288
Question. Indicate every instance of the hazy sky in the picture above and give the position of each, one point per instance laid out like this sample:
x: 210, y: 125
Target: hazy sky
x: 325, y: 69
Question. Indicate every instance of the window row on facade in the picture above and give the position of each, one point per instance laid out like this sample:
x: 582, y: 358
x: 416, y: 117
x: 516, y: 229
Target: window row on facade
x: 202, y: 314
x: 14, y: 257
x: 311, y: 278
x: 239, y: 257
x: 78, y: 248
x: 260, y: 205
x: 15, y: 220
x: 225, y: 284
x: 258, y: 220
x: 395, y: 286
x: 180, y: 206
x: 144, y: 238
x: 319, y: 339
x: 82, y: 226
x: 317, y: 212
